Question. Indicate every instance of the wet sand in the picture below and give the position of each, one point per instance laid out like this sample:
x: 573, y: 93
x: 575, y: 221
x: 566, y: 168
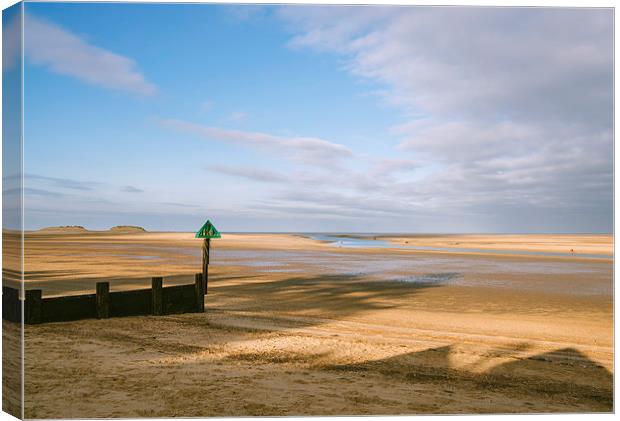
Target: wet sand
x: 299, y: 327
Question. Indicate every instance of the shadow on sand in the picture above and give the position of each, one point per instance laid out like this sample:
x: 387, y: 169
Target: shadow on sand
x: 565, y: 375
x: 252, y: 308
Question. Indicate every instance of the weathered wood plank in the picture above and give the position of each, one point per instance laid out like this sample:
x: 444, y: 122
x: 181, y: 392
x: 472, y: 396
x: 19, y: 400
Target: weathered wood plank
x: 131, y: 303
x: 75, y: 307
x: 179, y: 299
x: 156, y: 286
x: 34, y: 304
x: 103, y: 300
x: 199, y: 292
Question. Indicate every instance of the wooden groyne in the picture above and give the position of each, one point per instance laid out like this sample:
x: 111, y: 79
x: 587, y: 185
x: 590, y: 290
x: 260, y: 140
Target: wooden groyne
x: 157, y: 300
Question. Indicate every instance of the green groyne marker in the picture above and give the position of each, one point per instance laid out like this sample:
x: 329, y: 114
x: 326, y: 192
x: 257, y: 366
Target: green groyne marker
x: 207, y: 231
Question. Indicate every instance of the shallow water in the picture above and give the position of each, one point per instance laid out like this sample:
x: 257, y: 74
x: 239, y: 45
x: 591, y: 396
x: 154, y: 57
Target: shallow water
x: 580, y: 277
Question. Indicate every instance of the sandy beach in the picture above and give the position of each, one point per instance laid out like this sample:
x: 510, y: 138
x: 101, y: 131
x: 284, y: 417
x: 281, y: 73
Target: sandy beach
x: 295, y: 326
x: 558, y: 243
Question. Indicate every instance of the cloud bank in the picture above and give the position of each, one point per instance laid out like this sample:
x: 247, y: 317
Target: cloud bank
x: 512, y: 105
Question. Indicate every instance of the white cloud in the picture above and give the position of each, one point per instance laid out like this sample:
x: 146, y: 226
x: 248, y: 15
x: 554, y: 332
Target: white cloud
x: 308, y: 150
x: 63, y: 52
x: 254, y: 174
x: 509, y: 62
x: 512, y: 106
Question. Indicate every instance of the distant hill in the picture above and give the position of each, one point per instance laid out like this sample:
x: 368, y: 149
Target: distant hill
x: 78, y: 229
x: 127, y: 229
x: 65, y: 229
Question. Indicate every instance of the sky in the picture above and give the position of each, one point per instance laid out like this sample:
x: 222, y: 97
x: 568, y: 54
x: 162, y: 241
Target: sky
x: 318, y: 118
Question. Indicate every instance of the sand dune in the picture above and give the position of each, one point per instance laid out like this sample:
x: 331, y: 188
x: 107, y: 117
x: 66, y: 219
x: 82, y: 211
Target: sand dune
x: 66, y: 229
x: 127, y: 229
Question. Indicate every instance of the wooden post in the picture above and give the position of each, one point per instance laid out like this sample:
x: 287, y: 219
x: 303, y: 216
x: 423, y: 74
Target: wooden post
x: 11, y: 304
x: 205, y: 281
x: 205, y: 258
x: 103, y: 300
x: 200, y: 295
x: 34, y: 301
x: 206, y: 246
x: 157, y: 286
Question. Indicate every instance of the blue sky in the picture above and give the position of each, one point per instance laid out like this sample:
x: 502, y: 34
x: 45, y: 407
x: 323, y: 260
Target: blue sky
x: 318, y: 118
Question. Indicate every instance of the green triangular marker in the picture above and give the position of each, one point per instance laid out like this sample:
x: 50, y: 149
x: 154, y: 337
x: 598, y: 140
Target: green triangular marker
x: 208, y: 231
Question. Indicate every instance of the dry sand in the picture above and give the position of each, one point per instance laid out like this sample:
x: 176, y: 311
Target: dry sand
x: 308, y: 339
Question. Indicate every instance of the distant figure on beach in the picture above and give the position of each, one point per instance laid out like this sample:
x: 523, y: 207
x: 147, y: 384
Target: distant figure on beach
x: 572, y: 251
